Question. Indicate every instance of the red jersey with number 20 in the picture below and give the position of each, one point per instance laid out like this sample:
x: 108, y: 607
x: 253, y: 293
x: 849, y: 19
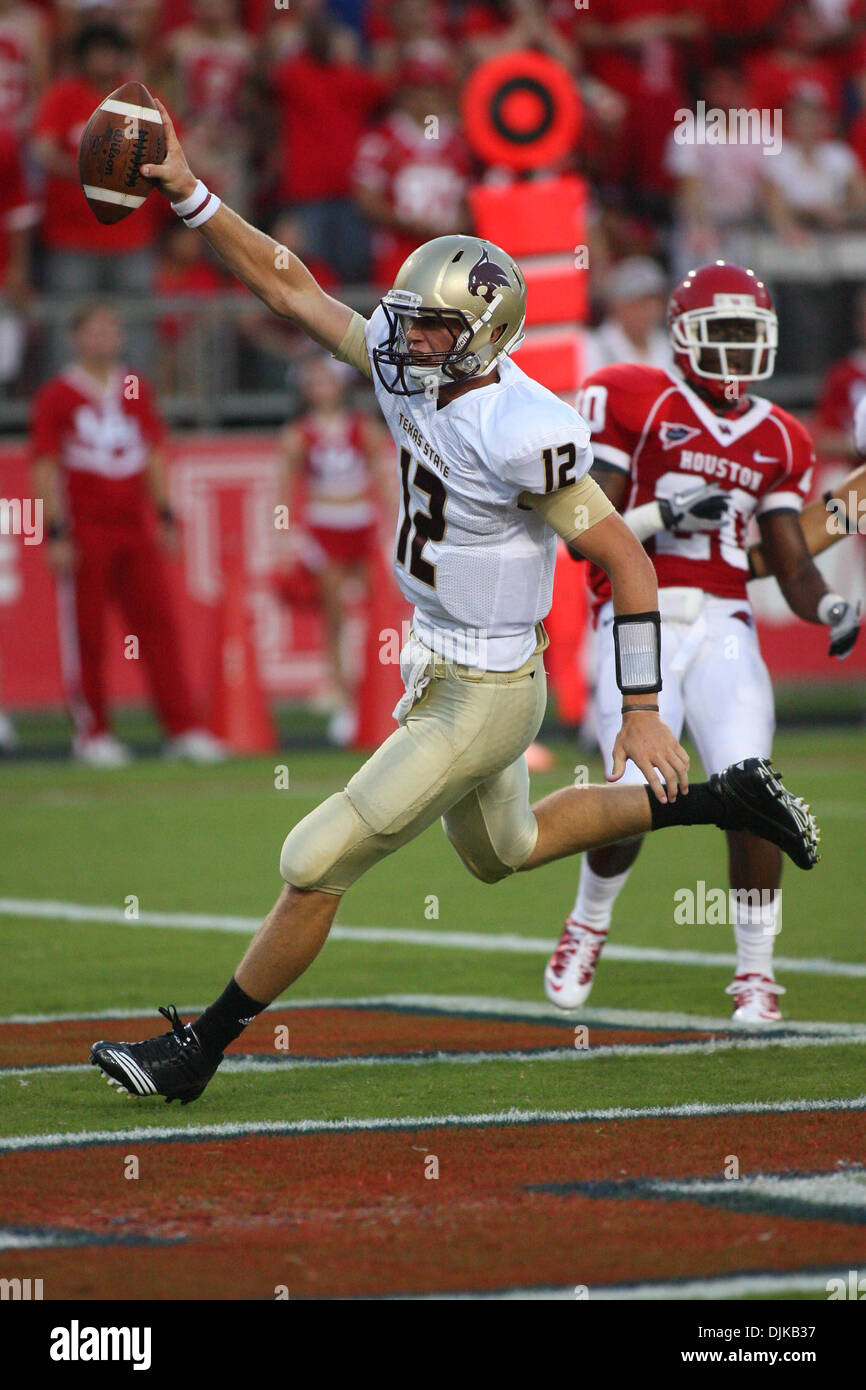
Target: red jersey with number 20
x: 651, y: 425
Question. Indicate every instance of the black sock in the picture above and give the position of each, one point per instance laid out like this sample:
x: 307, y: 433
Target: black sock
x: 702, y: 806
x: 226, y: 1018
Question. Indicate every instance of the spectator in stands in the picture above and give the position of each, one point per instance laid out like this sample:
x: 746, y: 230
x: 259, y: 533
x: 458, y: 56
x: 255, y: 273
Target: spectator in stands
x: 337, y: 455
x: 206, y: 71
x: 815, y: 183
x: 324, y: 101
x: 270, y: 346
x: 718, y: 188
x: 24, y: 63
x: 638, y: 47
x: 286, y: 33
x: 96, y: 447
x: 18, y: 214
x: 501, y: 26
x: 412, y: 170
x: 185, y: 268
x: 81, y: 255
x: 635, y: 293
x: 842, y: 389
x: 137, y: 20
x: 417, y: 26
x: 794, y: 65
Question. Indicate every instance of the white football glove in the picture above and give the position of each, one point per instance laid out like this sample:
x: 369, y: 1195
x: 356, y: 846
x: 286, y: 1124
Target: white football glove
x: 700, y: 508
x: 843, y: 620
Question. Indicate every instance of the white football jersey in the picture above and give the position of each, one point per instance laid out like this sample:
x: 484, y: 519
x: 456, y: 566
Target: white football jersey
x: 477, y: 566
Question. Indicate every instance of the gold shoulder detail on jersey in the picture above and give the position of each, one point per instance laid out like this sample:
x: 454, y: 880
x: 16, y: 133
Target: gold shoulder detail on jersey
x: 353, y: 346
x: 571, y: 510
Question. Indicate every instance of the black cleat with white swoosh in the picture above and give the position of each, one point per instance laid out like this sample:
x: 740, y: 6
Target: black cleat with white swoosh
x: 173, y: 1065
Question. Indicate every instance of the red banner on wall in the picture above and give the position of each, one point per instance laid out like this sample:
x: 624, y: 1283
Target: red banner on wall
x: 224, y: 490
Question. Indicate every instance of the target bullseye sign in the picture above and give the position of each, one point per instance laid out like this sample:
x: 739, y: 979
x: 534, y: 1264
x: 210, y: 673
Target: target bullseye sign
x: 522, y: 110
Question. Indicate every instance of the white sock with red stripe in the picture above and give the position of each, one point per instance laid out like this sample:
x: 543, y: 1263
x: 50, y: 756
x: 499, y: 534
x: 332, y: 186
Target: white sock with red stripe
x: 755, y: 930
x: 596, y: 896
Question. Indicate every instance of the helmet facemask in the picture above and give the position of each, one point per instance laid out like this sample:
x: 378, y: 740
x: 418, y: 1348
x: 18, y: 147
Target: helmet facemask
x: 413, y: 373
x: 730, y: 341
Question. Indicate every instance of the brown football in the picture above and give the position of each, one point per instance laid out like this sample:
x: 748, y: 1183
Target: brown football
x: 124, y: 132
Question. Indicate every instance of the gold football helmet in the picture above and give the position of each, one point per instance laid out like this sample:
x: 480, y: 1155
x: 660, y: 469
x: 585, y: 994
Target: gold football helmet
x: 467, y: 285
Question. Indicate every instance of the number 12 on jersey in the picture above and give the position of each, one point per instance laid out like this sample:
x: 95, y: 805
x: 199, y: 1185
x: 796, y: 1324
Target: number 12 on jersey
x: 426, y: 525
x: 555, y: 479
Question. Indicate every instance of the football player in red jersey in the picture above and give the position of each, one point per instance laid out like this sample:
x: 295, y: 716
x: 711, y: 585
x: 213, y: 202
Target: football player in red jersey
x: 338, y: 455
x: 96, y: 450
x: 690, y: 456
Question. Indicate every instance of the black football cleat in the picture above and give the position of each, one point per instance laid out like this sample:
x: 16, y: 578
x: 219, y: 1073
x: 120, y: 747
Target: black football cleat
x: 754, y: 799
x: 172, y: 1065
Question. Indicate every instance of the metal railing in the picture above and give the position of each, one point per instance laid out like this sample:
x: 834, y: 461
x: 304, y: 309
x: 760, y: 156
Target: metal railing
x: 205, y: 355
x: 217, y: 362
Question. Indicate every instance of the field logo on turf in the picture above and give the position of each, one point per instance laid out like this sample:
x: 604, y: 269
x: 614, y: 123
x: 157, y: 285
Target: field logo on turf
x: 20, y: 1290
x: 22, y: 516
x: 722, y: 907
x: 854, y: 1288
x: 77, y: 1343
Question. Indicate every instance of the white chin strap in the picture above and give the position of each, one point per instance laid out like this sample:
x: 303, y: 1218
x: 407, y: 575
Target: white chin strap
x: 437, y: 374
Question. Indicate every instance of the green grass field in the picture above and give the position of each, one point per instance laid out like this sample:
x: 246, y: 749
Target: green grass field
x: 161, y: 838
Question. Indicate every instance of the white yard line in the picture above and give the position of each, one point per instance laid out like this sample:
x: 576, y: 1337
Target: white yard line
x: 485, y: 1119
x: 566, y: 1053
x: 723, y: 1287
x: 499, y: 943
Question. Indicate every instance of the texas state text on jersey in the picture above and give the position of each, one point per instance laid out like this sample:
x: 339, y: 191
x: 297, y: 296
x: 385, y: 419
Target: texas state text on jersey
x: 652, y: 426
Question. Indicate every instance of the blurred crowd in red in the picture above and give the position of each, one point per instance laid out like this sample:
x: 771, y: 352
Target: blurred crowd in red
x: 314, y: 120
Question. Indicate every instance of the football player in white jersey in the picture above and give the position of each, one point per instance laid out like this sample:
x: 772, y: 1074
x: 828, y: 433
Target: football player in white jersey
x: 492, y: 467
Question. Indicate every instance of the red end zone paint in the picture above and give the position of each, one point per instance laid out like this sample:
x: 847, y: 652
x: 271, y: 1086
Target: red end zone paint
x: 353, y: 1214
x: 328, y: 1032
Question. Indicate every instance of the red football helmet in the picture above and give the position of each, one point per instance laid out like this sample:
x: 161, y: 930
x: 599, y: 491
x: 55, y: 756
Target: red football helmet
x: 723, y: 327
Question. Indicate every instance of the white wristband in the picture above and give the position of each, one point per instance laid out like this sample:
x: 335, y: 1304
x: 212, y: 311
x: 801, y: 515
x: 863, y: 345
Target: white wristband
x: 826, y: 604
x: 199, y: 207
x: 644, y: 521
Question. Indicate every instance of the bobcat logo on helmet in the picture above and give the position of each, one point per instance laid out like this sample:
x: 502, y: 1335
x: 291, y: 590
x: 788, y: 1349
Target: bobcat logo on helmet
x: 486, y: 277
